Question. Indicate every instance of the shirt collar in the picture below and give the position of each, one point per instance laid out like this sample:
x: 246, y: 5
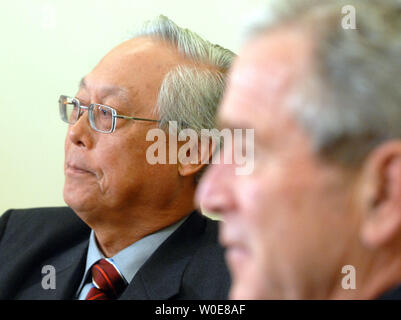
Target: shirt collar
x: 129, y: 260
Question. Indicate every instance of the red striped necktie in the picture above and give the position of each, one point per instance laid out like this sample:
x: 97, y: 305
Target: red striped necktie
x: 107, y: 280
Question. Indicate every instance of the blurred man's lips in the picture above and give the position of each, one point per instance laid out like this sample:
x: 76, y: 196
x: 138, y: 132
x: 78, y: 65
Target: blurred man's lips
x: 236, y: 252
x: 236, y: 255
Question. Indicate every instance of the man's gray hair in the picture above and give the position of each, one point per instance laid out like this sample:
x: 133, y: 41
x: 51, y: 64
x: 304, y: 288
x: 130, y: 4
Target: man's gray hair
x: 189, y: 94
x: 351, y: 100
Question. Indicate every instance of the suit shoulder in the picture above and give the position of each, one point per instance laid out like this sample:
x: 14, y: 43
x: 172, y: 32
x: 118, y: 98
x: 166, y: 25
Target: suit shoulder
x: 210, y: 246
x: 47, y: 215
x: 38, y: 221
x: 212, y: 229
x: 207, y: 275
x: 44, y: 211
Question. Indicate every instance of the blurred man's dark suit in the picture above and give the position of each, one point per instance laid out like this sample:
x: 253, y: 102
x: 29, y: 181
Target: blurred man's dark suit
x: 188, y: 265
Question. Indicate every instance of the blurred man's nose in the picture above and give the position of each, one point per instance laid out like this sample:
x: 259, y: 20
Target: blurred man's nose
x: 214, y: 192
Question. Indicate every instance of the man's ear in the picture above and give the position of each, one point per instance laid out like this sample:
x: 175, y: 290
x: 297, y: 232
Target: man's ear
x: 381, y: 177
x: 194, y: 155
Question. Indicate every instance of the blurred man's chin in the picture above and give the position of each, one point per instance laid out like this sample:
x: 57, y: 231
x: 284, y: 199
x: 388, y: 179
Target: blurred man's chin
x: 237, y: 258
x: 243, y: 290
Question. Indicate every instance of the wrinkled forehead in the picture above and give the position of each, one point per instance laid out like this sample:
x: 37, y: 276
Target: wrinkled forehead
x: 134, y: 69
x: 140, y: 54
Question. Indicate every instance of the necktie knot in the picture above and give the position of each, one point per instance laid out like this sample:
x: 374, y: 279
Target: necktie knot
x: 107, y: 280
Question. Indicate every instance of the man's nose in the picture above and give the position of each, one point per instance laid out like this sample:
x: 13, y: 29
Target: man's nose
x: 80, y: 132
x: 214, y: 193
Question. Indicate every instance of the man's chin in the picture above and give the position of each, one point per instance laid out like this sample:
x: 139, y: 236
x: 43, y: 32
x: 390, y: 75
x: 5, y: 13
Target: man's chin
x: 249, y: 284
x: 243, y: 290
x: 75, y: 200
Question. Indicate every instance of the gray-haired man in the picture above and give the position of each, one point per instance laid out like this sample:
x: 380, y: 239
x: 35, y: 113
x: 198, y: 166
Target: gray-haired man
x: 131, y: 230
x: 320, y: 216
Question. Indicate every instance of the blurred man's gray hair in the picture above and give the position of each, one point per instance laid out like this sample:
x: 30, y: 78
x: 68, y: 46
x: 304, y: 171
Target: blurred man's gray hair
x: 351, y: 100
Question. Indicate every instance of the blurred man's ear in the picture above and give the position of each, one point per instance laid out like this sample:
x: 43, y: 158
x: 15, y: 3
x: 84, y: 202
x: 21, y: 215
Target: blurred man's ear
x: 194, y: 155
x: 381, y: 198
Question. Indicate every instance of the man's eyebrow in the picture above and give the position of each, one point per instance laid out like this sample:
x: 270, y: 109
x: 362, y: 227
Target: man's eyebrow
x: 110, y: 90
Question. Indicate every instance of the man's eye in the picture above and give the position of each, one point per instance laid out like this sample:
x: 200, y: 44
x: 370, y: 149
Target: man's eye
x: 103, y: 112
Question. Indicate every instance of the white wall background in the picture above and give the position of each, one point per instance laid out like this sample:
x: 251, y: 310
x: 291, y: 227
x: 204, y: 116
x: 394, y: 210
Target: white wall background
x: 46, y: 48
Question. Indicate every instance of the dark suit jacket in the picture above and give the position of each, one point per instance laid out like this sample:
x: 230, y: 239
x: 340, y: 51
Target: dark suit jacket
x: 188, y: 265
x: 393, y: 293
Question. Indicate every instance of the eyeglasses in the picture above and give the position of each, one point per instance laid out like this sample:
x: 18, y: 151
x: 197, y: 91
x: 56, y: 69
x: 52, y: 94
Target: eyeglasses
x: 101, y: 118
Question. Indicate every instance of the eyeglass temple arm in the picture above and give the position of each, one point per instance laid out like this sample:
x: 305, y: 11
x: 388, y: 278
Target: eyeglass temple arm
x: 135, y: 118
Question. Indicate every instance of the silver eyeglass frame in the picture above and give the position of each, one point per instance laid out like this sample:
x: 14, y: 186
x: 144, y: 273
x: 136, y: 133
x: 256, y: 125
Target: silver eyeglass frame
x: 63, y: 100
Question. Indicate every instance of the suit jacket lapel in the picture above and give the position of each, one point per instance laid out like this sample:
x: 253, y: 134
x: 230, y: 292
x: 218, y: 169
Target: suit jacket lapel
x: 69, y: 278
x: 69, y: 268
x: 160, y: 277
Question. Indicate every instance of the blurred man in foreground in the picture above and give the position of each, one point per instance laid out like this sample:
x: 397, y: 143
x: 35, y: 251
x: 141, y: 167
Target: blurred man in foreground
x: 320, y: 216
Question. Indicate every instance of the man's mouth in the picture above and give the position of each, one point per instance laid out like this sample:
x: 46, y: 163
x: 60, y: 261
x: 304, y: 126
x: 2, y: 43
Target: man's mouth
x: 76, y: 169
x: 237, y: 252
x: 237, y: 258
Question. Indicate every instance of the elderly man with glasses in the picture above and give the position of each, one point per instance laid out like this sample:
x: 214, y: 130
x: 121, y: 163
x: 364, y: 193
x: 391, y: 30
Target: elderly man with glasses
x: 130, y: 230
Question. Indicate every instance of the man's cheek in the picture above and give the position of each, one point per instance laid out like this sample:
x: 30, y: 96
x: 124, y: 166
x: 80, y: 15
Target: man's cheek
x: 255, y: 195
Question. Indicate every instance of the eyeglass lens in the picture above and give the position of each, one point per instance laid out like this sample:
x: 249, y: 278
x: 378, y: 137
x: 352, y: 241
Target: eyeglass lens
x: 101, y: 117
